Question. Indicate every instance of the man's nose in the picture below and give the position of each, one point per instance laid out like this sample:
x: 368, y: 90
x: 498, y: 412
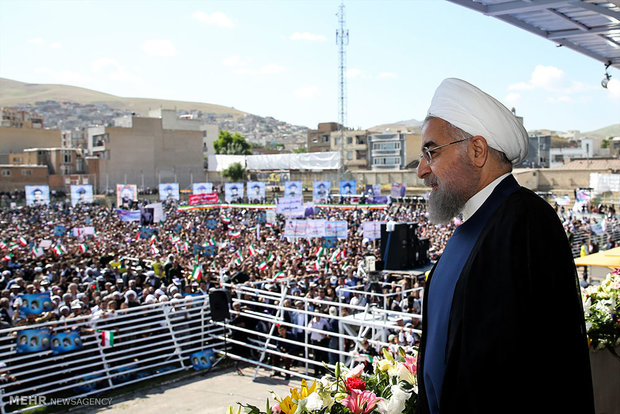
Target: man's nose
x: 423, y: 168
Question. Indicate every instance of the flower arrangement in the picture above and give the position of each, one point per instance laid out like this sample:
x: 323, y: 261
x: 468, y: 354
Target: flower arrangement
x: 601, y: 306
x: 390, y: 389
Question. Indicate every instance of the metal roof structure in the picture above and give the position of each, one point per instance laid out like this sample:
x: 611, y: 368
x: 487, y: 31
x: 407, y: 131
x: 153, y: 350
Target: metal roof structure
x: 590, y: 27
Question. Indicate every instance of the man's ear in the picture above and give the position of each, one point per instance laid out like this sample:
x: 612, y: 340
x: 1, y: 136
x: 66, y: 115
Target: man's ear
x: 479, y: 151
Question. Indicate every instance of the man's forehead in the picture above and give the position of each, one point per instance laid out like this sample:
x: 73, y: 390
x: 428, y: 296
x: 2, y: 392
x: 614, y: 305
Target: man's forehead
x: 434, y: 132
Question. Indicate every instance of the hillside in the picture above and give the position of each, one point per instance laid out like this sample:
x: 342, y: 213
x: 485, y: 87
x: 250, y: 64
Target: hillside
x: 15, y: 93
x: 606, y: 132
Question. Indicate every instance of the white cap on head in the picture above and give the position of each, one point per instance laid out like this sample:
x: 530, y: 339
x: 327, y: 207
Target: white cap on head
x: 477, y: 113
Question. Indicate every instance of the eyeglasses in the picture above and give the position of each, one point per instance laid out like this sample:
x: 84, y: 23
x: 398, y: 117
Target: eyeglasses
x: 427, y: 153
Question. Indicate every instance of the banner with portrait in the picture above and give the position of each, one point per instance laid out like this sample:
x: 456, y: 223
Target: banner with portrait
x: 315, y: 228
x: 32, y: 340
x: 233, y: 192
x: 202, y: 188
x: 373, y: 190
x: 292, y: 189
x: 65, y: 341
x: 37, y: 195
x: 337, y: 229
x: 82, y: 193
x: 35, y: 303
x: 398, y: 190
x: 169, y: 191
x: 320, y: 191
x: 295, y: 228
x: 126, y: 194
x: 256, y: 191
x: 347, y: 187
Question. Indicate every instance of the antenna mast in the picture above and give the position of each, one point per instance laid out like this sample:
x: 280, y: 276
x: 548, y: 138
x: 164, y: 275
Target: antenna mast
x: 342, y: 39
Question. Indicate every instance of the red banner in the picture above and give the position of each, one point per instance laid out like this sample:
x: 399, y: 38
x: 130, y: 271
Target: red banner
x: 206, y: 198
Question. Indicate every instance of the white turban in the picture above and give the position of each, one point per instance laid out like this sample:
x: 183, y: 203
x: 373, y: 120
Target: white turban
x: 468, y: 108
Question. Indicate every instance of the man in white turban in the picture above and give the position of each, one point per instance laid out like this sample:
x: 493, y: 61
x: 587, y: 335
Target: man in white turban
x: 503, y: 326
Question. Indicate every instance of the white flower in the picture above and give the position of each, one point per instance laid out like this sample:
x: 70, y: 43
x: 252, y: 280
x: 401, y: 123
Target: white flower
x: 396, y: 404
x: 313, y: 402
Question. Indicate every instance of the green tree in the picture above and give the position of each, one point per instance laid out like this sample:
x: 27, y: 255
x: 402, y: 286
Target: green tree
x: 231, y: 144
x: 234, y: 172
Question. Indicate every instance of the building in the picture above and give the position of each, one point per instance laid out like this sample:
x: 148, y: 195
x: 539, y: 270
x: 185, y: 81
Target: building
x: 16, y: 140
x: 15, y: 177
x: 146, y: 151
x: 15, y: 118
x: 74, y: 139
x: 388, y: 151
x: 561, y: 156
x: 355, y: 155
x: 319, y: 139
x: 539, y: 152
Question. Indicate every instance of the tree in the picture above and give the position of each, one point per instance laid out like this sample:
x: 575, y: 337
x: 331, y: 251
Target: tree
x: 234, y: 172
x: 231, y: 144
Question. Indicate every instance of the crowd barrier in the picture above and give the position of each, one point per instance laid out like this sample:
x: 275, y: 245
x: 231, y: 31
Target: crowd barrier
x: 149, y: 341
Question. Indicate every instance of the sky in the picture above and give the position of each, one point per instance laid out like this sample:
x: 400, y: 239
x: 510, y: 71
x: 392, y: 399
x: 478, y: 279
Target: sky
x: 280, y: 58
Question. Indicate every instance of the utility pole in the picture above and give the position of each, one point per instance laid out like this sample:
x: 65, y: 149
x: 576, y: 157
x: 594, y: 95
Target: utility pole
x: 342, y: 39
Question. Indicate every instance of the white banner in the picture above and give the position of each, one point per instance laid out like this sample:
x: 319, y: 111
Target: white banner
x: 291, y: 206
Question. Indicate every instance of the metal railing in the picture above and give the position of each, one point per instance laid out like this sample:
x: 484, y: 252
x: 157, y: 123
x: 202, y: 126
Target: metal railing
x: 160, y: 339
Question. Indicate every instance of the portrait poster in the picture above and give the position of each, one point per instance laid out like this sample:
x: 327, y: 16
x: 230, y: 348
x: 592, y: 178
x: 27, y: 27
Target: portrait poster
x: 82, y: 193
x: 233, y: 192
x: 125, y: 194
x: 256, y: 191
x: 37, y: 195
x: 169, y: 191
x: 292, y: 189
x: 320, y: 191
x: 348, y: 187
x: 202, y: 188
x: 32, y: 340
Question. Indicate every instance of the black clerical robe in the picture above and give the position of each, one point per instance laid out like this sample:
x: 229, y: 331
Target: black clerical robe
x: 516, y: 334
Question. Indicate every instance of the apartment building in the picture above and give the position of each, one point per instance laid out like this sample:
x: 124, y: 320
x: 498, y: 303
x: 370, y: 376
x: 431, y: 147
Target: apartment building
x: 146, y: 151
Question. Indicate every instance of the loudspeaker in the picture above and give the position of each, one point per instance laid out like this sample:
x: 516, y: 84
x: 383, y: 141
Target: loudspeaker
x: 398, y: 246
x: 422, y: 252
x: 218, y: 302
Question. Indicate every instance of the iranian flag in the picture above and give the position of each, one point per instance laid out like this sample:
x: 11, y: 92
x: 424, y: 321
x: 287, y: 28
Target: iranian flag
x: 237, y: 261
x: 107, y: 339
x: 262, y: 265
x: 235, y: 233
x: 22, y: 241
x: 225, y: 220
x: 82, y: 248
x: 317, y: 265
x: 8, y: 257
x: 138, y: 236
x: 154, y: 250
x: 319, y: 252
x: 153, y: 239
x: 279, y: 275
x: 37, y: 251
x: 59, y: 250
x: 239, y: 255
x: 335, y: 255
x: 211, y: 241
x: 197, y: 273
x: 252, y: 250
x: 3, y: 245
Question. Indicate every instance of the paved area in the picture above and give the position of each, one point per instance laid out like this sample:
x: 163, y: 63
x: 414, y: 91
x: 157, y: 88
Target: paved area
x: 210, y: 394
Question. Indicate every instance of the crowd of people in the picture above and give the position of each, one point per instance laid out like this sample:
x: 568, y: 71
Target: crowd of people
x: 94, y: 263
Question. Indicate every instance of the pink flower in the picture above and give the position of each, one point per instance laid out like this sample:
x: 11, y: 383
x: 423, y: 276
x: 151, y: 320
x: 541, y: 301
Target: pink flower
x: 411, y: 363
x: 276, y: 409
x: 361, y: 402
x: 356, y: 371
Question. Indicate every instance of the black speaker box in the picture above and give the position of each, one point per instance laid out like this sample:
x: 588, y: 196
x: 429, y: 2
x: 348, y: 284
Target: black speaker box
x: 399, y: 247
x: 218, y: 302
